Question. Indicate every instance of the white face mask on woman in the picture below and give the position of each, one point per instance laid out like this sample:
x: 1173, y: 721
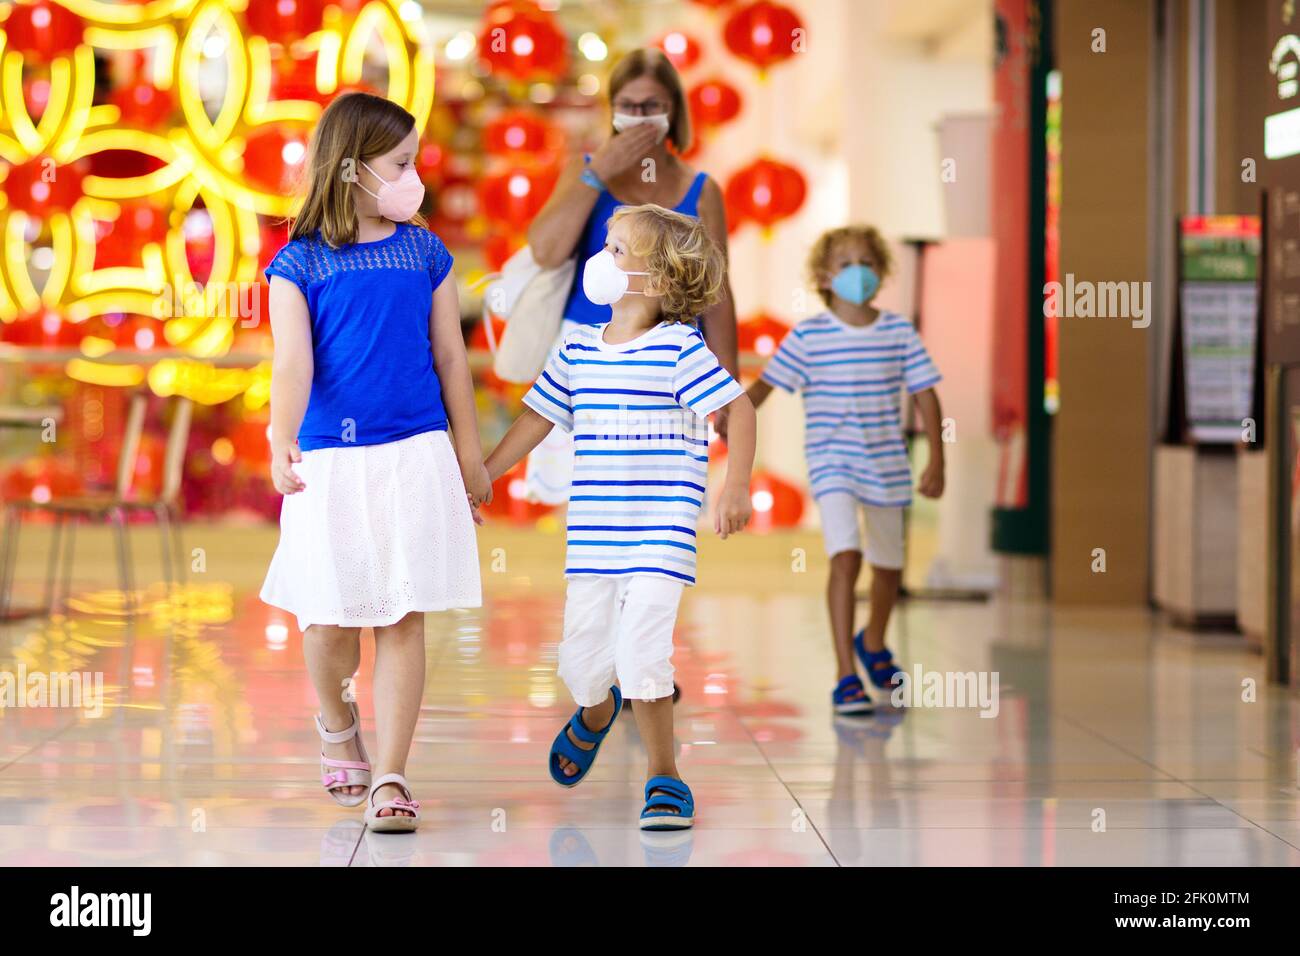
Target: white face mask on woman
x: 659, y: 121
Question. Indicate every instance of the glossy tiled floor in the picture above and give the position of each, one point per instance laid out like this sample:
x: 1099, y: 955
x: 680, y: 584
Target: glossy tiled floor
x: 1116, y: 741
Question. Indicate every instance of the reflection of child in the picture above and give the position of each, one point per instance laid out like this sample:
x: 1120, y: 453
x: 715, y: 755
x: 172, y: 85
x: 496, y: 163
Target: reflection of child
x: 635, y: 393
x: 850, y: 363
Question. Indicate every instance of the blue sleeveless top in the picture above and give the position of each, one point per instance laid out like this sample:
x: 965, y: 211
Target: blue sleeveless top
x: 581, y: 309
x: 373, y: 379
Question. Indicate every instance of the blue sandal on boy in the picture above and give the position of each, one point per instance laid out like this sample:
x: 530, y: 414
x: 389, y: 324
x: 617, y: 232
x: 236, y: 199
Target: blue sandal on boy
x: 882, y: 677
x: 662, y: 793
x: 564, y: 747
x: 850, y: 697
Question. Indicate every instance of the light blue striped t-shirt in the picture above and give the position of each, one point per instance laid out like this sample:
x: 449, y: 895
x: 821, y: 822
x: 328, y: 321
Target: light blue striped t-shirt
x: 852, y: 379
x: 640, y: 444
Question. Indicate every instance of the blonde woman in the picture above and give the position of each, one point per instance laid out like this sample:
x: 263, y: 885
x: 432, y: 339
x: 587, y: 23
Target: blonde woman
x: 635, y: 393
x: 369, y: 376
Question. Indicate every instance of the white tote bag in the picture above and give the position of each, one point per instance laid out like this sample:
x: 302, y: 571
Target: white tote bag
x: 531, y: 300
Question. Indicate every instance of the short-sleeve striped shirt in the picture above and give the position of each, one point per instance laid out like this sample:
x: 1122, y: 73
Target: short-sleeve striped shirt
x: 640, y: 444
x: 852, y: 379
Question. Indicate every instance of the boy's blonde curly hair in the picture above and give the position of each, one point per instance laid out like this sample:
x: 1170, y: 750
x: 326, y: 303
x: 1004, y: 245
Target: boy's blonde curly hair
x: 820, y: 255
x: 686, y: 268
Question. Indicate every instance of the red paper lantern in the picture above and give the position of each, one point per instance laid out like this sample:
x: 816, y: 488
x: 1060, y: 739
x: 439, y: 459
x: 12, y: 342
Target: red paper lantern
x: 520, y: 131
x: 41, y: 479
x: 46, y: 329
x: 765, y: 191
x: 285, y: 19
x: 273, y: 157
x: 777, y: 503
x: 501, y: 246
x: 714, y: 102
x: 430, y: 163
x: 508, y: 498
x: 143, y: 105
x: 760, y: 334
x: 295, y: 79
x: 523, y: 41
x: 763, y: 33
x: 119, y: 242
x: 42, y: 30
x: 42, y: 186
x: 682, y: 51
x: 513, y: 195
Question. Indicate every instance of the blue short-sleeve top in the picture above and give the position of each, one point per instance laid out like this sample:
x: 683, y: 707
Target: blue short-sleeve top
x: 374, y: 380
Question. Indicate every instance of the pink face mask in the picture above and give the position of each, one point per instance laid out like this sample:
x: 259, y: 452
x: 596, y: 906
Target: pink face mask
x: 398, y: 201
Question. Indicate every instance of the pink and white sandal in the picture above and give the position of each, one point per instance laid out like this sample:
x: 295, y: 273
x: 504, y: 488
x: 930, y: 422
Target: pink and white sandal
x: 335, y: 775
x: 397, y: 822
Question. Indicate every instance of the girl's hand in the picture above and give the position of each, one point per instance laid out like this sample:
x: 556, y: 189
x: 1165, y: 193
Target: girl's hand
x: 478, y: 485
x: 733, y: 510
x: 623, y: 150
x: 931, y: 483
x: 285, y: 479
x: 473, y: 510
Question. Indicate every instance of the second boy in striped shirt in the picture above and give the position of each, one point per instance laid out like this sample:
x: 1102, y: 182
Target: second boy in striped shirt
x: 636, y: 393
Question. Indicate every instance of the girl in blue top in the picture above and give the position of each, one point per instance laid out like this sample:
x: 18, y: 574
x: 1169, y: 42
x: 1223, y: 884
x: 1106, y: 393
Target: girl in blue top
x: 369, y: 375
x: 637, y: 164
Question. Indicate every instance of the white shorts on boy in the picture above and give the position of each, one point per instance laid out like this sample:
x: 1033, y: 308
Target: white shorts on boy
x: 619, y: 628
x: 840, y: 512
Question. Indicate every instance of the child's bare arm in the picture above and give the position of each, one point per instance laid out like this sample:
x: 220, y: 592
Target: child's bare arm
x: 523, y: 436
x: 734, y: 508
x: 292, y: 369
x: 927, y: 403
x: 758, y: 392
x: 457, y: 382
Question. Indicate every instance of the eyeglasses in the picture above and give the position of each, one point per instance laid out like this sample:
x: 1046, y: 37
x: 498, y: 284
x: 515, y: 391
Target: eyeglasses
x: 644, y: 108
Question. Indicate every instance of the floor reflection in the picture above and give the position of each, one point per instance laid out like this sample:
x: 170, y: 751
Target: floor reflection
x: 1116, y: 741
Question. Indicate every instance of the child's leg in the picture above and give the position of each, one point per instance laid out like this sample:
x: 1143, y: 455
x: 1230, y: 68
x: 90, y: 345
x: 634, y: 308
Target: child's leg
x: 841, y: 603
x: 885, y: 554
x: 839, y: 514
x: 332, y: 655
x: 399, y: 688
x: 884, y: 592
x: 586, y: 659
x: 643, y: 657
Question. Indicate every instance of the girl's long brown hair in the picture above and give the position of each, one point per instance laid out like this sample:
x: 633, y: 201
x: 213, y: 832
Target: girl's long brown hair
x: 353, y: 128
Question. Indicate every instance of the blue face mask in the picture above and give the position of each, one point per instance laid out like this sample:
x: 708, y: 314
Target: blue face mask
x: 856, y: 284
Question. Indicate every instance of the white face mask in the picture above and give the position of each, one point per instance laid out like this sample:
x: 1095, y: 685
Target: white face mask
x: 658, y: 120
x: 604, y: 282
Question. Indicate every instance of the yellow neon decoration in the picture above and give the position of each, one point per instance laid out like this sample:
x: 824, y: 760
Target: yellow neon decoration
x: 100, y: 373
x: 200, y: 158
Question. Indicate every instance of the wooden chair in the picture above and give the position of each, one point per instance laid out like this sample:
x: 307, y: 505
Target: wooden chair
x: 113, y: 507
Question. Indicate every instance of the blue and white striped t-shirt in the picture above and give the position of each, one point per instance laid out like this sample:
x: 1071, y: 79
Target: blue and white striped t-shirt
x: 852, y: 379
x: 640, y: 444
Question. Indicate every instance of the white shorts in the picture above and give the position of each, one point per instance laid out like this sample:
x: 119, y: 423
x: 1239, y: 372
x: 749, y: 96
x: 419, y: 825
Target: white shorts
x: 840, y: 511
x: 619, y: 627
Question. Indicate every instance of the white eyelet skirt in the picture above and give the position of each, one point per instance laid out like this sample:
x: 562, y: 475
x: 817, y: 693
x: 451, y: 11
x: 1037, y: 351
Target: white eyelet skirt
x: 379, y: 531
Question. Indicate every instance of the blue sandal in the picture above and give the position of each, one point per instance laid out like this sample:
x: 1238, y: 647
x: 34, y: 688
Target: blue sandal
x: 564, y: 747
x: 882, y: 677
x: 850, y: 697
x: 667, y: 792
